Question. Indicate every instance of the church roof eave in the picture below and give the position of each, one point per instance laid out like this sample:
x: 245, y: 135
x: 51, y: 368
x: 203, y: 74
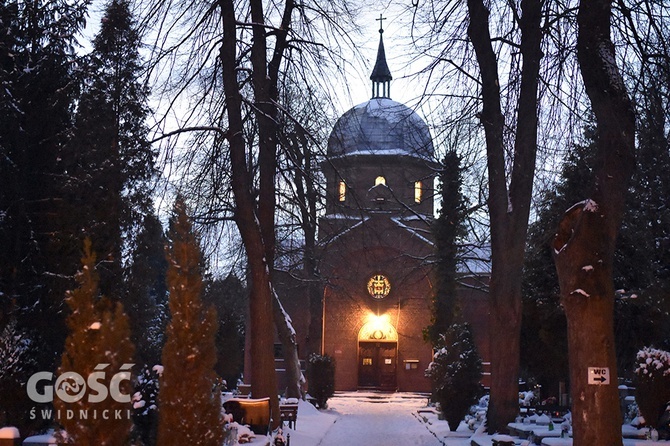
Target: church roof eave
x: 385, y: 154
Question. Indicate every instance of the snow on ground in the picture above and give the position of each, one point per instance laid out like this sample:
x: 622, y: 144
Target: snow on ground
x: 311, y: 425
x: 374, y: 419
x: 393, y: 419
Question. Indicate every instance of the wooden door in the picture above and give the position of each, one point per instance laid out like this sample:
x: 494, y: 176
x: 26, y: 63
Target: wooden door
x: 377, y: 365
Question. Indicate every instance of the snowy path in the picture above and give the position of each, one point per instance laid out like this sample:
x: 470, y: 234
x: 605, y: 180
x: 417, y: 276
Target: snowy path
x: 377, y: 419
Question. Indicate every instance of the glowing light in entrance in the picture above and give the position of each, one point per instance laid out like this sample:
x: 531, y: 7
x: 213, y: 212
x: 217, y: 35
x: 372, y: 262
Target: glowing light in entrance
x: 378, y: 328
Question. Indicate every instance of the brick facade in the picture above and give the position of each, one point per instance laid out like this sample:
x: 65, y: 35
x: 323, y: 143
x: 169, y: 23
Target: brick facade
x: 378, y: 245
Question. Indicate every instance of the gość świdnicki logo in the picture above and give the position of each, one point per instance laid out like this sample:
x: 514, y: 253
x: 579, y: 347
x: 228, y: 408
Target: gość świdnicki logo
x: 71, y: 387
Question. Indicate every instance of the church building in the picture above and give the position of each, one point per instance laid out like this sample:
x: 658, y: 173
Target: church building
x: 376, y: 249
x: 376, y: 242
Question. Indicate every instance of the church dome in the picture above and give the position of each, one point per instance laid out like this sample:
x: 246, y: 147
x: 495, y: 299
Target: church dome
x: 381, y: 126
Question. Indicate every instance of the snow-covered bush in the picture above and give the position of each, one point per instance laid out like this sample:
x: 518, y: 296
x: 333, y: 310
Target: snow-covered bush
x: 653, y: 383
x: 321, y: 378
x: 527, y: 398
x: 455, y: 374
x: 145, y: 402
x: 17, y: 363
x: 15, y: 348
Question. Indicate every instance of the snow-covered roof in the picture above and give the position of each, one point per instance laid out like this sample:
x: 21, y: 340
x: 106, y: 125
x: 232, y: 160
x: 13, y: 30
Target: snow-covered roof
x: 381, y: 126
x: 414, y: 231
x: 475, y: 259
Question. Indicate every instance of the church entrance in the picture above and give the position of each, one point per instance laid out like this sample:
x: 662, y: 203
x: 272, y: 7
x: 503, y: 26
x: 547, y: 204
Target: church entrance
x: 378, y: 354
x: 377, y: 365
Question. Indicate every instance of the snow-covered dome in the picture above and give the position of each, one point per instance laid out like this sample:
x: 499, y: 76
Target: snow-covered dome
x: 381, y: 126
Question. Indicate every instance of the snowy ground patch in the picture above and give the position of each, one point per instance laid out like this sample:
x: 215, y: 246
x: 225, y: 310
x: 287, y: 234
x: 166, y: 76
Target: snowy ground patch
x: 374, y: 419
x: 311, y: 425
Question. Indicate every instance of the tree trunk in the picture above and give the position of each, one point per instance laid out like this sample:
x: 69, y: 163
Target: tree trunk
x: 287, y: 335
x: 583, y: 255
x: 265, y: 80
x: 307, y: 194
x: 509, y: 208
x: 255, y: 220
x: 262, y: 377
x: 585, y: 241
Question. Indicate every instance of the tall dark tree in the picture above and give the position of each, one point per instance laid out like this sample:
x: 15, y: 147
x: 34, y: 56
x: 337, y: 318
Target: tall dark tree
x: 37, y: 92
x: 229, y: 297
x: 112, y: 160
x: 255, y: 215
x: 448, y: 230
x: 510, y: 190
x: 146, y: 301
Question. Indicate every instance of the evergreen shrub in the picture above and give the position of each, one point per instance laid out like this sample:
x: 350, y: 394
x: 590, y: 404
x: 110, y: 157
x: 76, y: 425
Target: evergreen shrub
x: 455, y: 374
x: 321, y: 378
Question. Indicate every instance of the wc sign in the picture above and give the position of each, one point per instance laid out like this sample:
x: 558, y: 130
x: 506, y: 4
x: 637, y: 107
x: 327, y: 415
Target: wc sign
x: 599, y: 375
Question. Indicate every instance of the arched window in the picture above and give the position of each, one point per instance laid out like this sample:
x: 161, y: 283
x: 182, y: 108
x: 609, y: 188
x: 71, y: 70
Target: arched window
x: 342, y: 191
x: 418, y: 191
x: 380, y: 180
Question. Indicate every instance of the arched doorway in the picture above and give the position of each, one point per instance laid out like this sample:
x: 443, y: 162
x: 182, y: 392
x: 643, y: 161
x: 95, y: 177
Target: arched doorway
x: 377, y: 355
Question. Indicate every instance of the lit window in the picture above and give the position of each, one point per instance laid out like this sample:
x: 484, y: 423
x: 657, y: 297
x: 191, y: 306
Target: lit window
x: 367, y: 361
x: 418, y: 191
x: 380, y: 180
x: 342, y: 191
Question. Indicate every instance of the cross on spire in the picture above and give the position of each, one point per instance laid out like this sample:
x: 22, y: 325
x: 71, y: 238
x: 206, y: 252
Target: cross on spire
x: 381, y: 23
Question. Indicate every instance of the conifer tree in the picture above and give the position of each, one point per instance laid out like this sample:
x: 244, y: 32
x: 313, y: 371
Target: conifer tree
x: 455, y: 373
x: 99, y: 342
x: 112, y: 161
x: 147, y: 292
x: 189, y: 402
x: 37, y: 263
x: 230, y: 298
x: 448, y: 229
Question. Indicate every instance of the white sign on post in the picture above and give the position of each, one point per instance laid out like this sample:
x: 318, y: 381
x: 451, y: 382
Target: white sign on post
x: 599, y: 375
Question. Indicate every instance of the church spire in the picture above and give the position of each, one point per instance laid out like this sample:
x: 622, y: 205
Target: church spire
x: 381, y: 75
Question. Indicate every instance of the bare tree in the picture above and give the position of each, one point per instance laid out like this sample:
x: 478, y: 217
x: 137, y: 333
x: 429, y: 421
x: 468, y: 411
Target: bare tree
x: 585, y: 242
x: 255, y: 219
x: 522, y: 79
x: 238, y: 54
x: 303, y: 138
x: 511, y: 151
